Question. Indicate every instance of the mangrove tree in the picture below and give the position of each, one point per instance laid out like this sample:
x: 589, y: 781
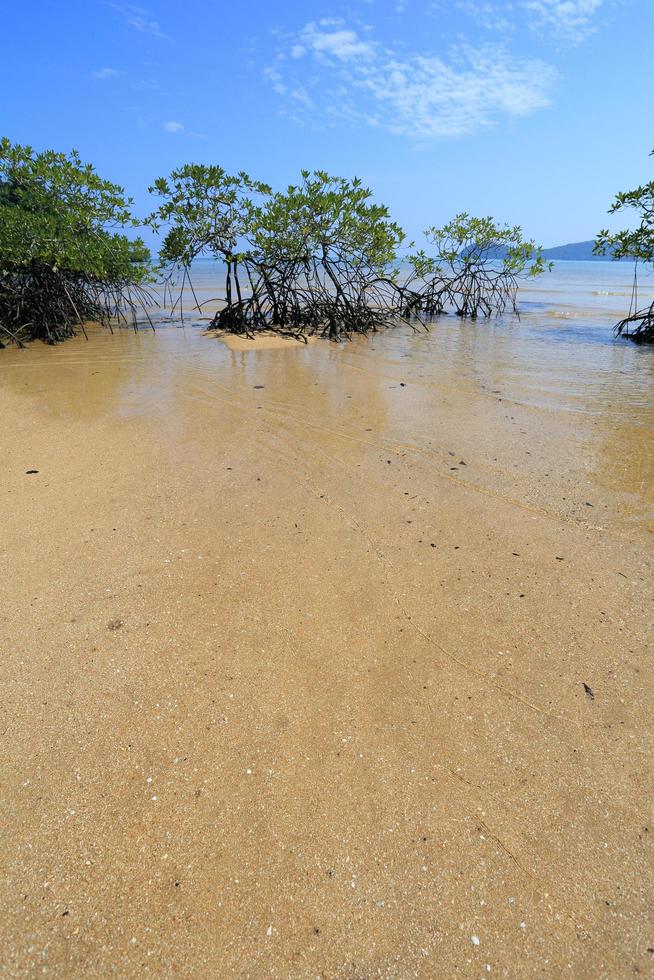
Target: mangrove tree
x: 62, y: 261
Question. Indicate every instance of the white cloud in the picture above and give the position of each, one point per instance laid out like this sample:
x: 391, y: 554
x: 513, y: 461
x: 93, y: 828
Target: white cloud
x: 105, y: 73
x: 491, y: 16
x: 423, y: 96
x: 302, y: 96
x: 570, y: 19
x: 433, y: 98
x: 328, y: 38
x: 173, y: 126
x: 275, y: 78
x: 141, y: 20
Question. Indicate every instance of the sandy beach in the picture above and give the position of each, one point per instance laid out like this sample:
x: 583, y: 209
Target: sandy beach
x: 325, y: 661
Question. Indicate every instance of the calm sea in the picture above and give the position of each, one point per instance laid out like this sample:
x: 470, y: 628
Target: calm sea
x: 561, y: 348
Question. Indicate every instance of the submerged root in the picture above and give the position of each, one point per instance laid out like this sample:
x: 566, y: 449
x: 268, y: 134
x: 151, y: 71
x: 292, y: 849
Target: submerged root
x: 41, y: 303
x: 330, y: 298
x: 638, y: 326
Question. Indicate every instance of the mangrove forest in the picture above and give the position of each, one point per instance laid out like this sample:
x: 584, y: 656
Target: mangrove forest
x: 320, y: 257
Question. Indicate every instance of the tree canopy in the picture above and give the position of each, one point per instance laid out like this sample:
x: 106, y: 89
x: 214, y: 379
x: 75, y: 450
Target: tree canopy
x: 206, y: 211
x: 325, y: 214
x: 475, y: 267
x: 322, y: 250
x: 62, y: 261
x: 321, y: 256
x: 310, y: 256
x: 636, y: 243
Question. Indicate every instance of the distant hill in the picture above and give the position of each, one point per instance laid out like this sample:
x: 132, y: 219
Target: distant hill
x: 576, y: 252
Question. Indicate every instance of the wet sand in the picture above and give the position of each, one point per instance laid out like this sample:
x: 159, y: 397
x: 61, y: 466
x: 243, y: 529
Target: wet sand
x: 265, y: 340
x: 332, y: 661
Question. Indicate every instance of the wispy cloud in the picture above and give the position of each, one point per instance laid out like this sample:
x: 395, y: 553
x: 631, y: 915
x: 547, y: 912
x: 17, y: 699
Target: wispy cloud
x: 105, y: 73
x: 496, y: 17
x: 141, y: 20
x: 422, y: 96
x: 572, y: 20
x: 276, y: 78
x: 174, y: 126
x: 329, y: 39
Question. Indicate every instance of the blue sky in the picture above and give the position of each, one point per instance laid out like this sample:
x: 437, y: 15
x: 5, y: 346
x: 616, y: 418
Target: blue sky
x: 534, y: 111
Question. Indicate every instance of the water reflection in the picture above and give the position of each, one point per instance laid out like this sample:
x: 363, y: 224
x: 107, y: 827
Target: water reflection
x: 458, y: 382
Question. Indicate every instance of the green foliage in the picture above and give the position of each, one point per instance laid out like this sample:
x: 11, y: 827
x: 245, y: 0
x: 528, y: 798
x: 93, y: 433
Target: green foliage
x: 57, y: 211
x: 321, y: 252
x: 210, y: 212
x: 207, y: 211
x: 61, y: 259
x: 318, y: 256
x: 466, y: 243
x: 322, y: 215
x: 305, y: 259
x: 636, y: 243
x: 475, y: 267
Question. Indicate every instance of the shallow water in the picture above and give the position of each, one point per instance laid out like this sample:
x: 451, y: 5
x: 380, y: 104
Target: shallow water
x: 586, y: 291
x: 555, y: 411
x: 585, y: 397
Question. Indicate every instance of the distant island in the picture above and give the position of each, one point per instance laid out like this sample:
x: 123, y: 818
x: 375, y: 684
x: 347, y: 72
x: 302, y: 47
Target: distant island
x: 573, y: 252
x: 577, y: 252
